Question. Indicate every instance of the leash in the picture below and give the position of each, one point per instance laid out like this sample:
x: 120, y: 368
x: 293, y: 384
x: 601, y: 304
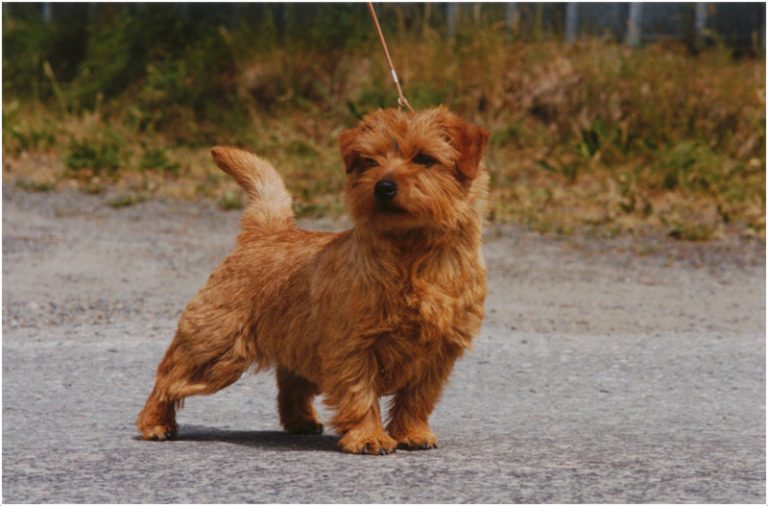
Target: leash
x: 401, y: 101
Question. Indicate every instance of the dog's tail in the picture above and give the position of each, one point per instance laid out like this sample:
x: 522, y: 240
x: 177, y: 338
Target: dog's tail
x: 268, y: 201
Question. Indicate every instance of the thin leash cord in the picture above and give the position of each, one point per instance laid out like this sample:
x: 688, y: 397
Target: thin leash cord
x: 401, y: 101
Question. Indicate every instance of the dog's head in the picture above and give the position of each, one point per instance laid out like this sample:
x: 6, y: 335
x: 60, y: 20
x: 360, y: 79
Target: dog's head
x: 413, y: 170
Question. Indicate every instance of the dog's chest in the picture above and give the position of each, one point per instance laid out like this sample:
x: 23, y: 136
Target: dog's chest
x: 431, y: 321
x: 401, y: 361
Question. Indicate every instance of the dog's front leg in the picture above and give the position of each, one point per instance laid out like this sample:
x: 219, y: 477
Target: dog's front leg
x: 366, y: 435
x: 411, y: 406
x: 358, y: 415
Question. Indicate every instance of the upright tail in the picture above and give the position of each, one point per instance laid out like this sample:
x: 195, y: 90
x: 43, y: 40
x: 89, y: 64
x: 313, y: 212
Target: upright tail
x: 268, y: 201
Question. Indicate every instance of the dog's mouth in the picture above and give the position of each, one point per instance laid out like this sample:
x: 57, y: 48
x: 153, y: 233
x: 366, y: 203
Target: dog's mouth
x: 390, y: 208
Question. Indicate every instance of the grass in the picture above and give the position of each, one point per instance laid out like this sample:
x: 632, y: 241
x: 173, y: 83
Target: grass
x: 591, y: 136
x: 35, y: 186
x: 124, y: 200
x: 230, y: 201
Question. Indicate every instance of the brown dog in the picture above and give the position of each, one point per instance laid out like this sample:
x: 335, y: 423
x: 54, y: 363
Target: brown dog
x: 383, y: 308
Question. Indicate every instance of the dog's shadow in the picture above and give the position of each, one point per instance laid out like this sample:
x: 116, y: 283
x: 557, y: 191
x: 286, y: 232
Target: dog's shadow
x: 265, y: 439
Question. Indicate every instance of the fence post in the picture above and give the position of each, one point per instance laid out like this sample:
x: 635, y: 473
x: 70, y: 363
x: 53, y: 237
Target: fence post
x: 47, y: 13
x: 700, y: 24
x: 512, y: 18
x: 571, y: 21
x: 511, y: 15
x: 451, y: 13
x: 633, y: 24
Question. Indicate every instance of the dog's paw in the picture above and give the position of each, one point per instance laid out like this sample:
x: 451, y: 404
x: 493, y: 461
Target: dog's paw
x: 417, y: 441
x: 367, y: 444
x: 305, y: 427
x: 162, y: 432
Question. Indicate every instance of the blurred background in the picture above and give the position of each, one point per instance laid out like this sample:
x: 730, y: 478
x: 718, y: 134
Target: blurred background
x: 611, y: 118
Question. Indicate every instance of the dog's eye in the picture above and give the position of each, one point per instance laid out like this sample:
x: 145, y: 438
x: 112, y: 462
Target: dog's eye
x: 364, y: 164
x: 425, y: 160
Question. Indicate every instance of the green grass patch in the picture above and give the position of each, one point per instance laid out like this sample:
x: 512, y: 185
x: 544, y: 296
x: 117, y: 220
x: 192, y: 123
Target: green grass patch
x: 94, y: 156
x: 159, y: 159
x: 125, y: 200
x: 35, y: 186
x: 230, y: 201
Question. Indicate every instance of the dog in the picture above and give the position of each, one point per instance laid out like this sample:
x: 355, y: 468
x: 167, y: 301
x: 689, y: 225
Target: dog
x: 384, y: 308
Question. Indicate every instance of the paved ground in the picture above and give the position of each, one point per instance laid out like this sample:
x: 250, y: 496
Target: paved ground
x: 608, y: 371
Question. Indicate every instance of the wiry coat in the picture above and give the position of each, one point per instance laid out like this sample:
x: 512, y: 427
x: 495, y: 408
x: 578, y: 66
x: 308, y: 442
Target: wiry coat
x: 383, y: 308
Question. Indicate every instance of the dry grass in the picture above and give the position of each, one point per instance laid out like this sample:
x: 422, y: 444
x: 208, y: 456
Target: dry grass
x: 592, y: 135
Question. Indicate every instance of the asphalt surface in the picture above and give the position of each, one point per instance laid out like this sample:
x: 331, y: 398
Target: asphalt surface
x: 605, y: 372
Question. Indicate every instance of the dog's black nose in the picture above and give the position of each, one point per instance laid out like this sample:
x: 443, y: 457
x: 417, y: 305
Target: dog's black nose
x: 385, y: 189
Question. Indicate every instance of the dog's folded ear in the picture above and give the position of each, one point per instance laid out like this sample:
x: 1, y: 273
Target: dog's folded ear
x: 469, y: 141
x: 349, y: 153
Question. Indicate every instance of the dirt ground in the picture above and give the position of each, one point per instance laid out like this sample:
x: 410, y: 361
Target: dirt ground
x: 622, y: 370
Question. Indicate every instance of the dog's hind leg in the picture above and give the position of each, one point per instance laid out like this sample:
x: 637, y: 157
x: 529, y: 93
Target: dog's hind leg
x: 187, y: 369
x: 294, y: 401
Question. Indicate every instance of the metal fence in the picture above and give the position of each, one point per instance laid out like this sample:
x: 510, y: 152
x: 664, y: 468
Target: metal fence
x: 737, y: 24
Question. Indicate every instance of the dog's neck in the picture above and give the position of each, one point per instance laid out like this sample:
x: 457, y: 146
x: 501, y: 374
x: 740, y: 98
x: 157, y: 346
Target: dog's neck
x: 404, y: 246
x: 425, y: 240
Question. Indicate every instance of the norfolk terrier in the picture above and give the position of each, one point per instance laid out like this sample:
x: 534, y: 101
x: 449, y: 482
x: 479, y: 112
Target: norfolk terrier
x: 384, y: 308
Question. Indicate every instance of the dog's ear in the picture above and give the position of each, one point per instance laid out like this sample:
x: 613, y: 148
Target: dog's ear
x: 469, y: 141
x: 349, y: 153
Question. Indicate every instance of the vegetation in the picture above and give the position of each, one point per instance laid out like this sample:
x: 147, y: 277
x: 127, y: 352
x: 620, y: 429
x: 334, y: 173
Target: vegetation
x: 589, y: 135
